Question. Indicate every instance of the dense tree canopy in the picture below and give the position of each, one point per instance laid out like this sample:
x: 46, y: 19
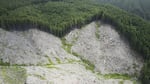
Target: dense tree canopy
x: 138, y: 7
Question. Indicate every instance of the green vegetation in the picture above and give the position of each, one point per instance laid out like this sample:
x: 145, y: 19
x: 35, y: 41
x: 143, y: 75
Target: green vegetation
x: 58, y: 60
x: 13, y: 75
x: 59, y: 17
x: 123, y: 77
x: 50, y: 61
x: 66, y: 46
x: 118, y: 76
x: 121, y: 82
x: 97, y: 30
x: 138, y: 7
x: 4, y: 63
x: 88, y: 65
x: 73, y: 61
x: 146, y: 73
x: 51, y: 66
x: 56, y: 17
x: 8, y: 5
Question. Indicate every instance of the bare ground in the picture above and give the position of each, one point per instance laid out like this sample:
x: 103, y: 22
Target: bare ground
x: 110, y: 53
x: 37, y: 57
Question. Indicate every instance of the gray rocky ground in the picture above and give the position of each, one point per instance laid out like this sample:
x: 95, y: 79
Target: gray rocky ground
x: 37, y: 57
x: 109, y: 52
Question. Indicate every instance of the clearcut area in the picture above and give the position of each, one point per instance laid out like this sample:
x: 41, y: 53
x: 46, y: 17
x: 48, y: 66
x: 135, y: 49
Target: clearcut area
x: 102, y: 45
x: 94, y: 54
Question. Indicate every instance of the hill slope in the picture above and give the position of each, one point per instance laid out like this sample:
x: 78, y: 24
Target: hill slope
x: 138, y: 7
x: 36, y: 57
x: 61, y: 16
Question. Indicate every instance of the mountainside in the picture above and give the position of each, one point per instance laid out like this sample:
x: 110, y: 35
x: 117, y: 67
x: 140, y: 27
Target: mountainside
x: 138, y: 7
x: 37, y: 57
x: 23, y: 44
x: 109, y: 52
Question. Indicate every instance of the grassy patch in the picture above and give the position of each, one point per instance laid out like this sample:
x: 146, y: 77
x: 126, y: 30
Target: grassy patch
x: 99, y: 75
x: 13, y: 74
x: 50, y: 61
x: 58, y: 60
x: 121, y: 82
x: 8, y: 64
x: 51, y: 66
x: 98, y: 24
x: 76, y: 54
x: 73, y: 61
x: 88, y: 65
x: 97, y: 30
x: 97, y: 34
x: 117, y: 76
x: 66, y: 46
x: 4, y: 63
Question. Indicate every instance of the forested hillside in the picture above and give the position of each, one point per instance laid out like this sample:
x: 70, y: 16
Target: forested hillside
x: 139, y: 7
x: 59, y: 17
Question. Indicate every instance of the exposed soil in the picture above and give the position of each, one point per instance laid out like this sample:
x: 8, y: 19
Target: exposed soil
x: 36, y: 57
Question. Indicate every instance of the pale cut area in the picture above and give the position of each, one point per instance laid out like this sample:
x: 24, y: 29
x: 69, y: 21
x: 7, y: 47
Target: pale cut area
x: 31, y: 47
x: 36, y: 57
x: 55, y: 74
x: 68, y: 74
x: 109, y: 52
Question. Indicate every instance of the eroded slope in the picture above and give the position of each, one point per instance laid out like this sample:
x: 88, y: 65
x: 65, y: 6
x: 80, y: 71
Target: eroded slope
x: 37, y: 57
x: 31, y: 47
x: 105, y: 48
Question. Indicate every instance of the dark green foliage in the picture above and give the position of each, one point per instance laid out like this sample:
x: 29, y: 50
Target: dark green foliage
x: 13, y: 75
x: 133, y: 27
x: 138, y: 7
x: 146, y: 73
x: 55, y: 16
x: 4, y: 64
x: 59, y: 17
x: 117, y: 76
x: 7, y: 5
x: 136, y: 30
